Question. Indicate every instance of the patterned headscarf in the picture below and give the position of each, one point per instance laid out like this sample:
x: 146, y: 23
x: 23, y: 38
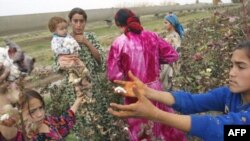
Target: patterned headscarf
x: 173, y: 20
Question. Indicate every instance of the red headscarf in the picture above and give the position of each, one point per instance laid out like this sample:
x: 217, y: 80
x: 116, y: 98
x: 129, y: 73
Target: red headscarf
x: 133, y: 25
x: 125, y: 17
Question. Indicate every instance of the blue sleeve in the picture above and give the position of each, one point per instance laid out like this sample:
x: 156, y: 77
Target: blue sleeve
x: 212, y: 127
x: 213, y: 100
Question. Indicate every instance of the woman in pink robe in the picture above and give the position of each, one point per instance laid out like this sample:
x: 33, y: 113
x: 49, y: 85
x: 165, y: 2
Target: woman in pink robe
x: 142, y: 52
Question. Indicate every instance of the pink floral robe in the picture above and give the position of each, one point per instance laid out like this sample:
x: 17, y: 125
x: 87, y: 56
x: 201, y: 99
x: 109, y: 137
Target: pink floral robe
x: 143, y: 54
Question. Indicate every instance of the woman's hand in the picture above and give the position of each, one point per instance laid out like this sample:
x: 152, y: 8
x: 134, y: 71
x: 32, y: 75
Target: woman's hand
x: 81, y: 39
x: 143, y: 108
x: 129, y: 85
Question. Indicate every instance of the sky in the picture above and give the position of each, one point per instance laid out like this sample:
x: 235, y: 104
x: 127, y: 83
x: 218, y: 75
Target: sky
x: 20, y: 7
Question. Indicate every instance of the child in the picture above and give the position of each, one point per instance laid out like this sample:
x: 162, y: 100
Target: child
x: 40, y: 127
x: 233, y: 100
x: 66, y: 49
x: 174, y: 35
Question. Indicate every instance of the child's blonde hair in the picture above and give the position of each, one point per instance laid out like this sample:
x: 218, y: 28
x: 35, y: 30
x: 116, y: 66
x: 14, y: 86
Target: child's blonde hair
x: 54, y: 21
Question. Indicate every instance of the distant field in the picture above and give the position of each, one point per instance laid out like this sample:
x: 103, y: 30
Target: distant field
x: 37, y: 43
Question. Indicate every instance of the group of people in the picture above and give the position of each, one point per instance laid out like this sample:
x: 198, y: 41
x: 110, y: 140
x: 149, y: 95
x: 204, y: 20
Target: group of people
x: 134, y: 62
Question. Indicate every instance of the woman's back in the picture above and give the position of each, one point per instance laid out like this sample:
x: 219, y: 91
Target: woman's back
x: 140, y: 53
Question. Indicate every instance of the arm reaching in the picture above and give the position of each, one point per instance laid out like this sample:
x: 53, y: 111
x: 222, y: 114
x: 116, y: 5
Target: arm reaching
x: 204, y: 126
x: 160, y: 96
x: 79, y: 98
x: 143, y: 108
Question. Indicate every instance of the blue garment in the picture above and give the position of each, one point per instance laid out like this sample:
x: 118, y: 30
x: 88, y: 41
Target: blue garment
x: 173, y: 20
x: 208, y: 127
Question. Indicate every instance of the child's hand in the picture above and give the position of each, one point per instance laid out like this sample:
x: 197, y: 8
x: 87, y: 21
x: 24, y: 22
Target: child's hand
x: 126, y: 89
x: 8, y: 121
x: 129, y: 85
x: 79, y: 92
x: 79, y: 98
x: 31, y: 128
x: 9, y: 116
x: 142, y: 108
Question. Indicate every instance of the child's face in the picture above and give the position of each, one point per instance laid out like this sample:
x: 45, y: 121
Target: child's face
x: 62, y: 29
x: 34, y: 112
x: 169, y: 26
x: 239, y: 75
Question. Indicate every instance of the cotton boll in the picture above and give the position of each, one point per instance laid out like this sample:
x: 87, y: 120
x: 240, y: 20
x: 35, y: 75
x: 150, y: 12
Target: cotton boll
x: 120, y: 90
x: 10, y: 116
x: 4, y: 117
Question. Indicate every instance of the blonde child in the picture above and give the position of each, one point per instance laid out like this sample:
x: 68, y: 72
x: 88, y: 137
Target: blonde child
x: 66, y: 49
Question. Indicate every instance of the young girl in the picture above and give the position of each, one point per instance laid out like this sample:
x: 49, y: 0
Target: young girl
x: 142, y: 52
x: 40, y: 127
x: 232, y: 100
x: 174, y: 35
